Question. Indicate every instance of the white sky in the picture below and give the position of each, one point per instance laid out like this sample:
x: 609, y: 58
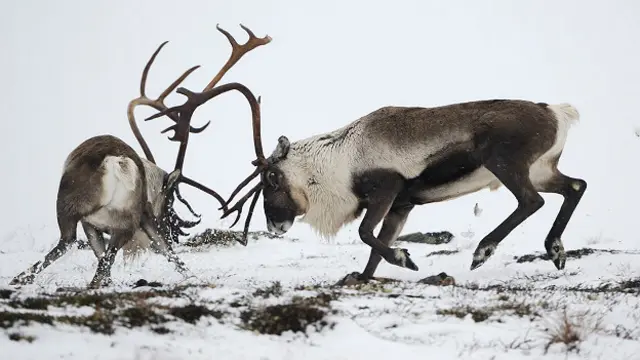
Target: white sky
x: 69, y: 68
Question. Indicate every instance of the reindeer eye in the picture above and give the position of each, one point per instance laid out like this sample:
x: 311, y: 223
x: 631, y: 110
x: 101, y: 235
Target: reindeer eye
x: 272, y: 178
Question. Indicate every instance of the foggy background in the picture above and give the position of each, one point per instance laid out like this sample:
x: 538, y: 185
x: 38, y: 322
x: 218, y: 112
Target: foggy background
x: 68, y: 70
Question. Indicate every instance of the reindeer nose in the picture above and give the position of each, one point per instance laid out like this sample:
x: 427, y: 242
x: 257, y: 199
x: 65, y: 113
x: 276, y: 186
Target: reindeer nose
x: 271, y: 227
x: 278, y: 228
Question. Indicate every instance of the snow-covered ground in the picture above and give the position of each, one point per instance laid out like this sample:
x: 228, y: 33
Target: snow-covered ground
x: 503, y: 310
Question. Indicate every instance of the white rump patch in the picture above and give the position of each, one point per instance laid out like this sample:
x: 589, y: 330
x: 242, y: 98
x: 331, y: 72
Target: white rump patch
x: 118, y: 181
x: 541, y: 171
x: 118, y: 185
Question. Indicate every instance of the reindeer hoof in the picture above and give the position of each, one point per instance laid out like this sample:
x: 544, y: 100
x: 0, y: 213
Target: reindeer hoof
x: 23, y: 279
x: 98, y: 283
x: 401, y: 257
x: 481, y: 255
x: 556, y: 253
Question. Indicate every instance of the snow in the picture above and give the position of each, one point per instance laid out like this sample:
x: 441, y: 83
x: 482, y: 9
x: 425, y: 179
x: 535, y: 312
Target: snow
x: 401, y: 320
x: 329, y: 63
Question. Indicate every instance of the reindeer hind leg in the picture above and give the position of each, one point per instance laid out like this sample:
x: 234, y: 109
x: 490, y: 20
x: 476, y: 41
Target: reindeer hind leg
x: 95, y: 239
x: 571, y: 190
x: 515, y: 178
x: 102, y: 276
x: 68, y: 226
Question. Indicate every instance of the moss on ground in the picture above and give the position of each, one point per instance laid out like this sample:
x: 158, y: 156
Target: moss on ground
x: 442, y: 252
x: 5, y: 294
x: 108, y: 301
x: 218, y: 237
x: 192, y: 313
x: 111, y: 310
x: 209, y: 237
x: 133, y: 309
x: 275, y: 290
x: 16, y: 336
x: 294, y: 316
x: 431, y: 238
x: 483, y: 313
x: 571, y: 254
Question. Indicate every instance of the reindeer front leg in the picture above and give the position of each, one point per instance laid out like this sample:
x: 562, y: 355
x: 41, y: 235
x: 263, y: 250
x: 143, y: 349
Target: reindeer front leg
x: 162, y: 244
x: 378, y: 191
x: 391, y: 227
x: 395, y: 256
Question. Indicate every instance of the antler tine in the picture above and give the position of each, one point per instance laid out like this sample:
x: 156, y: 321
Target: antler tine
x: 244, y: 183
x: 184, y: 201
x: 237, y: 51
x: 175, y: 84
x: 260, y: 161
x: 157, y: 104
x: 238, y: 206
x: 184, y: 223
x: 245, y: 231
x: 257, y: 139
x: 194, y: 100
x: 183, y: 114
x: 201, y: 187
x: 145, y: 72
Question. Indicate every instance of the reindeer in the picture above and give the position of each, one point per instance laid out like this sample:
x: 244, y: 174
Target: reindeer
x: 109, y: 188
x: 395, y: 158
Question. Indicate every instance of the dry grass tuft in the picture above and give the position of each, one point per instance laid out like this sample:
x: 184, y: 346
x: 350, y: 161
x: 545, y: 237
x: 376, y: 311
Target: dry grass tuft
x: 571, y: 330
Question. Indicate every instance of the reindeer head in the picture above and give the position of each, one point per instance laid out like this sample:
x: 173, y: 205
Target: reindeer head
x: 283, y: 184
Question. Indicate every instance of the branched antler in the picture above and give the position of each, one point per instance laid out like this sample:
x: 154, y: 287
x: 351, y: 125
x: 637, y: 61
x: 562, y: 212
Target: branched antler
x: 184, y: 113
x: 182, y: 120
x: 157, y: 104
x: 237, y: 52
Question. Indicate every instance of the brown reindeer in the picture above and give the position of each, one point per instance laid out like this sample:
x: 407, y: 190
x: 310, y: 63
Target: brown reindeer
x: 110, y: 189
x: 395, y: 158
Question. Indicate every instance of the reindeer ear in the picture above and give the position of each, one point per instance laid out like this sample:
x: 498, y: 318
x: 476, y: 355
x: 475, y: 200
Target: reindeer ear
x: 282, y: 149
x: 172, y: 179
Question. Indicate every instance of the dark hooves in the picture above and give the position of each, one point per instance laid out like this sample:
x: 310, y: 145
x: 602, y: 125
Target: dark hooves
x: 402, y: 258
x: 411, y: 265
x: 23, y: 279
x: 476, y: 264
x: 559, y: 263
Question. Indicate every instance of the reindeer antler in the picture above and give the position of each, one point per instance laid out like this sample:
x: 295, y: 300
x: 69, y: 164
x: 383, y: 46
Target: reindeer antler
x: 184, y: 112
x: 237, y: 52
x: 182, y: 127
x: 157, y: 104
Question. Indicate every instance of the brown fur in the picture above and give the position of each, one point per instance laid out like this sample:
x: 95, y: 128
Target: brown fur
x: 398, y: 157
x: 84, y: 166
x: 80, y: 193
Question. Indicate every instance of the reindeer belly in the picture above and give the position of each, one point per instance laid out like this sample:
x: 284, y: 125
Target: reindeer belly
x: 476, y: 180
x: 119, y: 198
x: 457, y: 174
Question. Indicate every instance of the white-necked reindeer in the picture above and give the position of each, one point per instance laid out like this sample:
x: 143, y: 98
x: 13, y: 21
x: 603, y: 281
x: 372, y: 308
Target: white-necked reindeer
x: 109, y: 188
x: 395, y: 158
